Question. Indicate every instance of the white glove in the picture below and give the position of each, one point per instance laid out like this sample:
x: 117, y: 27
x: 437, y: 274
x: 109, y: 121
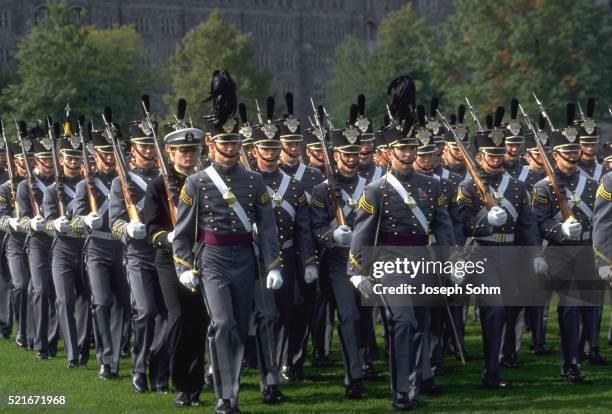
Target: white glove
x: 14, y: 223
x: 170, y: 237
x: 136, y: 230
x: 274, y: 280
x: 571, y: 228
x: 497, y: 216
x: 457, y: 277
x: 188, y: 279
x: 539, y: 265
x: 311, y: 274
x: 363, y: 285
x: 37, y: 223
x: 61, y: 224
x: 605, y: 272
x: 93, y: 221
x: 343, y: 235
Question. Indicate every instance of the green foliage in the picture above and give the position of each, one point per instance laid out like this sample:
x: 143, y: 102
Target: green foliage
x: 213, y: 45
x: 488, y: 51
x: 60, y: 62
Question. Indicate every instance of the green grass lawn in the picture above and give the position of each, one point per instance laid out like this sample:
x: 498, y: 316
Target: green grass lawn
x: 537, y: 386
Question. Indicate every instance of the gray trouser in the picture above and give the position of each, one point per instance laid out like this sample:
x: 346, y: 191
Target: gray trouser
x: 46, y: 327
x: 347, y: 302
x: 73, y: 297
x: 268, y: 333
x: 148, y: 320
x: 228, y: 277
x: 6, y: 308
x: 110, y: 298
x: 20, y: 276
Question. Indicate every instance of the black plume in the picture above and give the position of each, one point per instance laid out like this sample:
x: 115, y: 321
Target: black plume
x: 181, y: 106
x: 434, y: 106
x: 243, y: 113
x: 421, y: 114
x: 541, y: 122
x: 453, y: 119
x: 353, y: 111
x: 403, y: 100
x: 499, y: 116
x: 56, y: 130
x: 223, y: 96
x: 146, y: 102
x: 407, y: 123
x: 461, y: 113
x: 108, y: 114
x: 570, y: 113
x: 23, y: 128
x: 289, y: 103
x: 270, y: 108
x: 489, y: 122
x: 590, y: 107
x: 514, y: 108
x: 361, y: 104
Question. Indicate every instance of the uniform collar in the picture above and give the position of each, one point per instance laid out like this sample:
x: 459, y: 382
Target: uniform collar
x: 225, y: 170
x: 290, y: 169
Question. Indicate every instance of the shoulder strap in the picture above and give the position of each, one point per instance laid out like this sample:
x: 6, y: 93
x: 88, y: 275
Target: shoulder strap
x: 222, y: 187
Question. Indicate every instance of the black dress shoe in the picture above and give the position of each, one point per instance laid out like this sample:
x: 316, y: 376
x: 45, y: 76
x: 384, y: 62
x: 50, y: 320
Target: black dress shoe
x: 105, y: 373
x: 354, y: 390
x: 42, y: 355
x: 195, y: 399
x: 161, y: 388
x: 183, y: 399
x: 224, y: 407
x: 52, y: 352
x: 271, y: 395
x: 429, y: 387
x: 574, y: 375
x: 209, y: 381
x: 139, y: 383
x: 72, y: 364
x: 495, y: 383
x: 83, y: 360
x: 596, y: 358
x: 510, y: 362
x: 541, y: 350
x: 402, y: 402
x: 20, y: 342
x: 369, y: 372
x: 288, y: 373
x: 323, y: 361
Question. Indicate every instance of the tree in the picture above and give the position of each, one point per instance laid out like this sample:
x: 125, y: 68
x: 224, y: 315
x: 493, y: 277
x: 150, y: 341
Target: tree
x: 404, y: 48
x: 494, y: 51
x: 213, y: 45
x: 60, y: 62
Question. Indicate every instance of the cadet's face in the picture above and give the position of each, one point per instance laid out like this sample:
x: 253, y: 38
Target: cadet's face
x: 21, y: 165
x: 589, y: 149
x: 71, y: 165
x: 534, y: 159
x: 292, y: 148
x: 513, y: 150
x: 347, y: 163
x: 366, y: 152
x: 230, y: 149
x: 567, y: 161
x: 440, y: 149
x: 144, y: 155
x: 315, y: 156
x: 608, y: 165
x: 406, y: 154
x: 185, y: 158
x: 454, y: 154
x: 105, y: 161
x: 425, y: 162
x: 45, y: 165
x: 491, y: 162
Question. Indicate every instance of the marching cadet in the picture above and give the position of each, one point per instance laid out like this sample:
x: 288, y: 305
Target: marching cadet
x: 606, y: 156
x: 293, y: 224
x: 334, y: 240
x: 312, y: 141
x: 602, y: 229
x: 103, y: 257
x: 15, y: 249
x: 219, y: 207
x: 39, y: 246
x: 509, y: 222
x: 453, y: 158
x: 515, y: 139
x: 414, y: 208
x: 572, y: 231
x: 72, y: 290
x: 305, y: 317
x: 380, y: 156
x: 148, y: 317
x: 6, y: 305
x: 186, y: 322
x: 367, y: 168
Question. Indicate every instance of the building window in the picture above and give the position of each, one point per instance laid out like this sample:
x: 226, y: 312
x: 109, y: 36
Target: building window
x: 5, y: 56
x: 107, y: 22
x: 370, y: 31
x: 142, y: 24
x: 168, y: 25
x: 4, y: 19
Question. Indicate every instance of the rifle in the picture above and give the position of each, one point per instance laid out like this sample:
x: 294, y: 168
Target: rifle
x: 582, y: 117
x: 258, y: 112
x: 566, y: 211
x: 319, y: 113
x: 21, y: 133
x: 474, y: 115
x: 162, y: 159
x: 122, y: 166
x: 543, y: 112
x: 87, y: 172
x: 54, y: 133
x: 9, y: 168
x: 244, y: 131
x: 488, y: 199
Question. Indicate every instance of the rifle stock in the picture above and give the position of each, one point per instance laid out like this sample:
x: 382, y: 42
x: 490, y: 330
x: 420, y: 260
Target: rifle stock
x: 59, y: 179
